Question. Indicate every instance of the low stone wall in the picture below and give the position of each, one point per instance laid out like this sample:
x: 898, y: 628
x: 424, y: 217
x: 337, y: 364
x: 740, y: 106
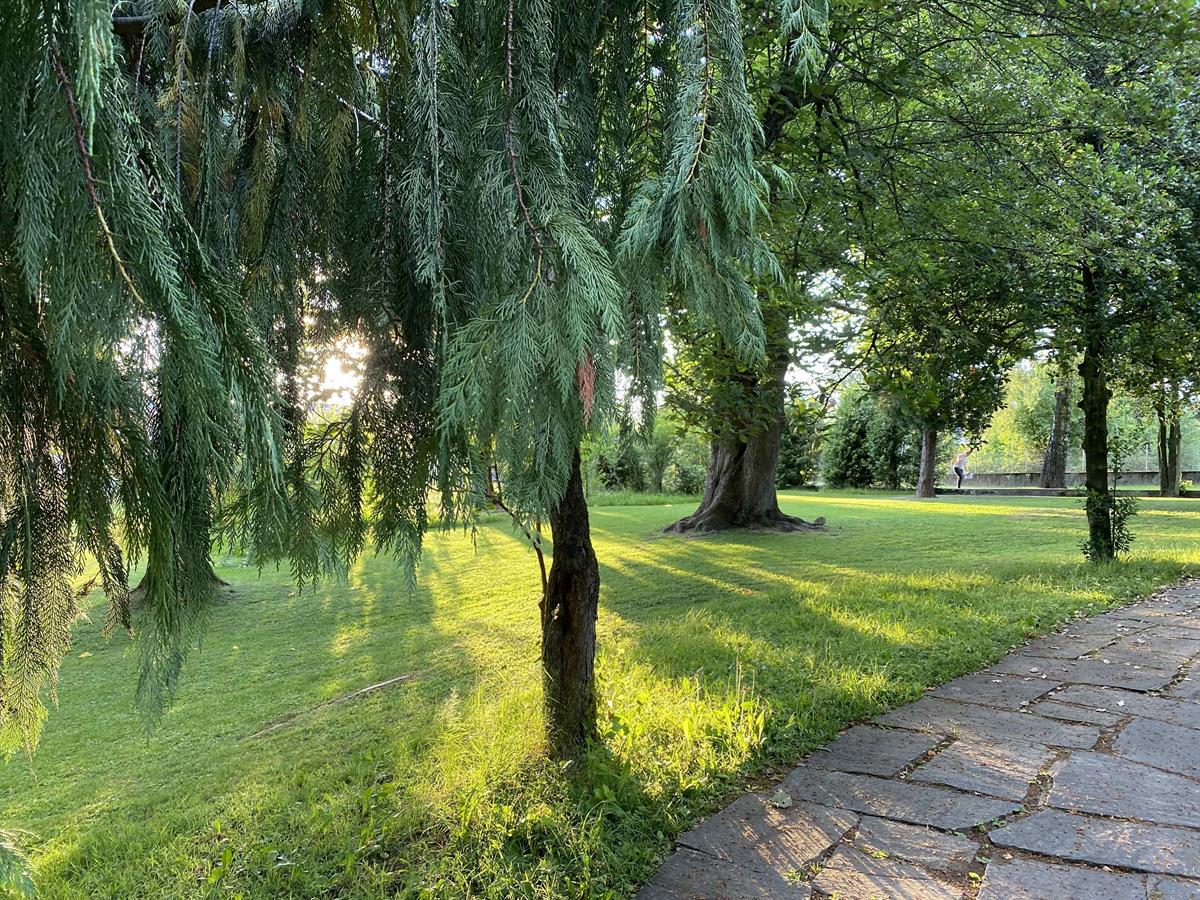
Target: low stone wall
x: 1074, y: 479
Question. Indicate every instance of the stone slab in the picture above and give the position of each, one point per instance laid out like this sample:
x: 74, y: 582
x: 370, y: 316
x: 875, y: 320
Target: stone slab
x: 1001, y: 769
x: 1001, y: 692
x: 1086, y: 671
x: 755, y: 834
x: 1152, y: 649
x: 1131, y: 703
x: 1027, y: 879
x: 1162, y: 745
x: 915, y: 844
x: 917, y: 804
x: 687, y: 875
x: 982, y: 723
x: 1187, y: 689
x: 1080, y: 715
x: 1172, y: 889
x: 1065, y: 646
x: 1110, y: 786
x: 874, y: 751
x: 852, y: 874
x: 1104, y: 842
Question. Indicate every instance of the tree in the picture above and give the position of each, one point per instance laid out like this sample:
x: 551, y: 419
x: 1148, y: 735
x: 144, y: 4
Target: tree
x: 740, y: 407
x: 252, y: 178
x: 140, y: 380
x: 1054, y: 465
x: 800, y: 446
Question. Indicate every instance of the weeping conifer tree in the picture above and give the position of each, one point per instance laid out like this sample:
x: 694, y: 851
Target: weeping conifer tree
x: 135, y: 386
x: 490, y: 200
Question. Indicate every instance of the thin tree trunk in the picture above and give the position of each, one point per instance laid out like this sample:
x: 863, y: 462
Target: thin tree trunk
x: 1173, y: 474
x: 927, y: 482
x: 1164, y: 466
x: 1054, y: 465
x: 739, y: 490
x: 569, y: 625
x: 1094, y: 404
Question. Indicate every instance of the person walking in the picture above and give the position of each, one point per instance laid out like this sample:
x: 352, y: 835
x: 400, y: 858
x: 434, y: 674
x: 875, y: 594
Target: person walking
x: 960, y: 466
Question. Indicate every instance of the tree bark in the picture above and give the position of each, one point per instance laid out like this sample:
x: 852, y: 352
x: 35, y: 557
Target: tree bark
x: 1054, y: 464
x: 1094, y: 404
x: 739, y: 490
x: 569, y: 625
x: 1169, y: 440
x: 927, y: 482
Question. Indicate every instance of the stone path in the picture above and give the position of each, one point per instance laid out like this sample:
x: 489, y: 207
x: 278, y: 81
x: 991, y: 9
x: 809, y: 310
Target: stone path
x: 1070, y: 770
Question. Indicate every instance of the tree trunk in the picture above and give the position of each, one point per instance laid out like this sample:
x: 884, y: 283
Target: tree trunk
x: 1164, y: 476
x: 1054, y: 465
x: 1174, y: 438
x: 739, y: 491
x: 569, y: 625
x: 1094, y: 404
x: 927, y: 482
x: 1166, y: 408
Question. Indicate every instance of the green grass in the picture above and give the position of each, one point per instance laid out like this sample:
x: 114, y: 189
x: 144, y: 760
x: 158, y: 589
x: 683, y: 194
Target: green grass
x: 720, y: 658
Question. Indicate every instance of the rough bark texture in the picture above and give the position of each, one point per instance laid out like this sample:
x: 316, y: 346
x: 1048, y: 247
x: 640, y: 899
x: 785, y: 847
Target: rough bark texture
x: 739, y: 490
x: 1054, y: 465
x: 1094, y: 404
x: 569, y: 625
x: 927, y: 482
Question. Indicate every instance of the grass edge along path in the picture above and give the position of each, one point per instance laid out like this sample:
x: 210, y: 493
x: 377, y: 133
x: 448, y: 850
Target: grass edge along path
x: 721, y: 658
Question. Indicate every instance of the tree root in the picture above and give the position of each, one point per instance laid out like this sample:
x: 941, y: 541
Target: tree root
x: 708, y: 522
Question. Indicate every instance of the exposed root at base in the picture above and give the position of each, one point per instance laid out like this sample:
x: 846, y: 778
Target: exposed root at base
x: 706, y: 523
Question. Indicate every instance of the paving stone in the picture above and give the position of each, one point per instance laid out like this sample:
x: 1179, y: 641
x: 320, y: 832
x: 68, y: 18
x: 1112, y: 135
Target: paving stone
x: 1001, y: 692
x: 970, y: 721
x: 1187, y: 689
x: 1172, y: 889
x: 755, y: 834
x: 687, y: 875
x: 852, y: 874
x: 1130, y: 703
x: 1104, y: 842
x: 1152, y: 648
x: 1027, y: 879
x: 874, y: 751
x: 1063, y: 646
x: 1001, y: 769
x: 918, y: 804
x: 1106, y: 627
x: 1112, y: 786
x: 1162, y: 745
x: 1081, y: 715
x: 1087, y: 671
x: 915, y: 844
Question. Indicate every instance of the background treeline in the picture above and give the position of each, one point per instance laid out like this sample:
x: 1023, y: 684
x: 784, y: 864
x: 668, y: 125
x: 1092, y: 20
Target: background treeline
x: 863, y: 438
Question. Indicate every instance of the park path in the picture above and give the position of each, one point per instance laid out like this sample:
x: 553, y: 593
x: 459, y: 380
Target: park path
x: 1070, y: 770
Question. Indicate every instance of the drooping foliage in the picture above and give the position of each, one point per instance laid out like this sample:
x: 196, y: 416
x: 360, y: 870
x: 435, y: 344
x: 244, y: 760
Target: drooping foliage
x: 487, y: 203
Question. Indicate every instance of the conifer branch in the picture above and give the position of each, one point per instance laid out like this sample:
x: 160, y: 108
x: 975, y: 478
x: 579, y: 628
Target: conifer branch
x: 706, y: 92
x: 512, y: 155
x: 85, y: 160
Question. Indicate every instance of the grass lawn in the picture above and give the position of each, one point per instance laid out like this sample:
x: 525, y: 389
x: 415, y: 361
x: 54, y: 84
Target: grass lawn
x: 720, y: 658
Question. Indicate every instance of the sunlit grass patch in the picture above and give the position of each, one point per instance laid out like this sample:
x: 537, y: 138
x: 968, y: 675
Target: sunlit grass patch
x: 719, y: 656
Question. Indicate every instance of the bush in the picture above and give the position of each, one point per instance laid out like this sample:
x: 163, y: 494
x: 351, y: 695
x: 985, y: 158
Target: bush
x: 799, y: 446
x: 871, y: 444
x: 846, y: 461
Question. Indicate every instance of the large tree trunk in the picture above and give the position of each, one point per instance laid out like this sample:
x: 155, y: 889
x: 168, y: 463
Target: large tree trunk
x: 1054, y: 465
x: 1094, y: 404
x: 739, y: 491
x: 927, y: 482
x: 569, y: 625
